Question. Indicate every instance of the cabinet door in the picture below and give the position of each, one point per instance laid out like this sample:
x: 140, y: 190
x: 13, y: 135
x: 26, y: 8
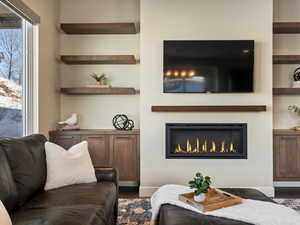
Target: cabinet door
x: 99, y: 149
x: 125, y: 156
x: 287, y: 158
x: 67, y: 141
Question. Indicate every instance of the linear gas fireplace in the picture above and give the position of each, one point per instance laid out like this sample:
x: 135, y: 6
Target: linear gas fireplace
x: 214, y: 141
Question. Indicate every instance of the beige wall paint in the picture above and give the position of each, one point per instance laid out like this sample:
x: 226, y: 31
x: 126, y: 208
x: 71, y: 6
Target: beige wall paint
x: 97, y: 111
x: 285, y: 11
x: 205, y: 20
x: 49, y: 100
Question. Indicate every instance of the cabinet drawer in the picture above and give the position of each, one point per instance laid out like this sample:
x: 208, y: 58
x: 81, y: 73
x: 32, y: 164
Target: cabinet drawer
x: 66, y: 141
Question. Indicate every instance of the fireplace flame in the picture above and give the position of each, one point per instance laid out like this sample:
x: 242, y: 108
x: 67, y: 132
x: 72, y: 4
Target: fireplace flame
x: 188, y: 146
x: 197, y: 148
x: 203, y: 148
x: 231, y: 149
x: 223, y: 147
x: 213, y: 146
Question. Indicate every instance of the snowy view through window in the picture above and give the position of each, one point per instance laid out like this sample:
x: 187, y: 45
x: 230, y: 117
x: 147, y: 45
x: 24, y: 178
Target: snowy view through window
x: 11, y: 74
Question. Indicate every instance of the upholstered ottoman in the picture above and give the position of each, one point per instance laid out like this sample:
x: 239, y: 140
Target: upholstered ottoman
x: 173, y: 215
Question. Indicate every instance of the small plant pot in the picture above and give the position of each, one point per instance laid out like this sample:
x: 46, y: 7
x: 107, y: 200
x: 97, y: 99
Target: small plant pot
x: 99, y: 83
x: 199, y: 198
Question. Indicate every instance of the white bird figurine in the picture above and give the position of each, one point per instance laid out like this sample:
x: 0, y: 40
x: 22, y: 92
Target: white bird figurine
x: 71, y: 121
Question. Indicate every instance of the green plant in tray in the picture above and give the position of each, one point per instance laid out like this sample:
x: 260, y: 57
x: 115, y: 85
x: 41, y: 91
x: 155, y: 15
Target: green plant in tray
x: 200, y: 184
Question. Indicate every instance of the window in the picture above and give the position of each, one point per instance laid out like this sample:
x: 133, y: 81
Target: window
x: 16, y: 74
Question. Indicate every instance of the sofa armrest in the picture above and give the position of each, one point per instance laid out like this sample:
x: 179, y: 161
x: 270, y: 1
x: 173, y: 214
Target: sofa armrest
x: 107, y: 174
x: 111, y: 175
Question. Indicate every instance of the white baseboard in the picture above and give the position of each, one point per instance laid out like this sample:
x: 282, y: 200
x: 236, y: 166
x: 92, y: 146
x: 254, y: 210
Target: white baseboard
x: 286, y: 184
x: 146, y: 191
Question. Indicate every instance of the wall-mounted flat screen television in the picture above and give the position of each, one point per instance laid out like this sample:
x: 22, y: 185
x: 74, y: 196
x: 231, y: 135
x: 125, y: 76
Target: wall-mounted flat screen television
x: 208, y: 66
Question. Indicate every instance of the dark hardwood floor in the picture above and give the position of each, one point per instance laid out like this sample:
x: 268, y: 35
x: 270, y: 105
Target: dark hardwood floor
x: 128, y: 192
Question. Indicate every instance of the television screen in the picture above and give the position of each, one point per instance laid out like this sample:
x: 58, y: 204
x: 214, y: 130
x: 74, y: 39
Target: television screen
x: 208, y: 66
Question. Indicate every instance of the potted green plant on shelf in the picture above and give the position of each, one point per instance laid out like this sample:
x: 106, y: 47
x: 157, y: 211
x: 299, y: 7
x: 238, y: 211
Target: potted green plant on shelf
x: 101, y: 80
x: 201, y: 185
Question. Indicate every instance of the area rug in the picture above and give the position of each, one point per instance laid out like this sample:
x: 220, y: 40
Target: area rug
x: 134, y: 211
x: 138, y: 211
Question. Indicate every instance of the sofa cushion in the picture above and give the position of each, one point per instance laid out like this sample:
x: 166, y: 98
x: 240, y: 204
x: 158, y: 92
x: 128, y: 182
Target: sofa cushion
x: 27, y: 160
x: 65, y: 215
x: 101, y: 195
x: 8, y: 189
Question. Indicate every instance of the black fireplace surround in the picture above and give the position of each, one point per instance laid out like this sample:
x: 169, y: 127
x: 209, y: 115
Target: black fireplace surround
x: 212, y: 141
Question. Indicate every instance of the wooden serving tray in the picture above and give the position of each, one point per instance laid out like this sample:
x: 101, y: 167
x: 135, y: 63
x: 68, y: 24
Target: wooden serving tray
x: 215, y: 199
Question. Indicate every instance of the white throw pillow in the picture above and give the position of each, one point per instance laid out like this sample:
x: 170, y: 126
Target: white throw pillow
x: 68, y: 167
x: 4, y: 217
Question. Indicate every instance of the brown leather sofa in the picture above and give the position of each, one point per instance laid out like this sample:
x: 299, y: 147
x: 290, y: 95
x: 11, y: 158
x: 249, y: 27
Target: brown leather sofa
x: 22, y: 179
x: 173, y: 215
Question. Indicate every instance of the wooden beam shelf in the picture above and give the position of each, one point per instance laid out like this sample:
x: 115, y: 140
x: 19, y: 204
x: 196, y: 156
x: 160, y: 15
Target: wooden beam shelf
x: 99, y: 28
x: 98, y: 59
x: 99, y: 91
x: 286, y: 28
x: 286, y: 59
x: 228, y: 108
x: 286, y: 132
x: 286, y: 91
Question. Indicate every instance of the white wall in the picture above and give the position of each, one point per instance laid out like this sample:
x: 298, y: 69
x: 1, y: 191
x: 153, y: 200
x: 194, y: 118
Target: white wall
x: 49, y: 100
x: 98, y: 111
x: 289, y: 44
x: 205, y: 20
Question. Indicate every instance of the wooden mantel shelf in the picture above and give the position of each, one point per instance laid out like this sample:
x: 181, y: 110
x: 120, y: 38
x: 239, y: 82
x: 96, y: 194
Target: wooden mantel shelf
x: 286, y: 28
x: 98, y: 59
x: 286, y: 91
x: 286, y: 132
x: 99, y: 28
x: 228, y: 108
x: 286, y: 59
x: 99, y: 91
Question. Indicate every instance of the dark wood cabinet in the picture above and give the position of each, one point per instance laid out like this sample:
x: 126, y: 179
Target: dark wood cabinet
x: 124, y: 156
x: 98, y: 148
x: 286, y: 155
x: 66, y: 141
x: 108, y: 148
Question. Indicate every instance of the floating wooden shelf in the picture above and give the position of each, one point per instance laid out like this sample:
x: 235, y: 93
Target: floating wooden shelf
x: 286, y: 28
x: 98, y: 59
x: 286, y: 132
x: 99, y: 28
x: 286, y: 91
x: 286, y: 59
x: 229, y: 108
x: 99, y: 91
